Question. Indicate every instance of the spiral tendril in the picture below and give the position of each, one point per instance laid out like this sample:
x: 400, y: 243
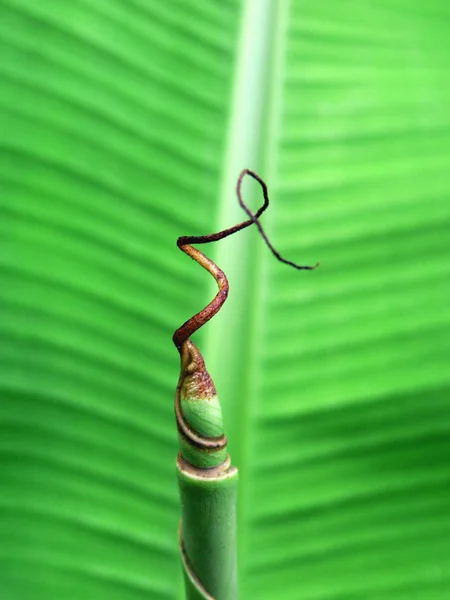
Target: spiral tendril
x: 183, y: 333
x: 195, y: 382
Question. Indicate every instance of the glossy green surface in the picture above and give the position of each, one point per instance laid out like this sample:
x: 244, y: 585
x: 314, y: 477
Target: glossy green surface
x: 204, y: 415
x: 120, y: 130
x: 208, y: 509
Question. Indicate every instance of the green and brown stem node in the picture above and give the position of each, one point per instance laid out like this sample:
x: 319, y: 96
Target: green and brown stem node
x: 198, y: 412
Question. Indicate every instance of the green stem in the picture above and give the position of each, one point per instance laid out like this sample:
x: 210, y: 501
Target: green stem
x: 208, y: 530
x: 208, y: 485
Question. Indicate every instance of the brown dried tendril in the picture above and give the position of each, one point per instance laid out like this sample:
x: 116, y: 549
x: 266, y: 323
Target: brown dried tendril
x: 183, y: 333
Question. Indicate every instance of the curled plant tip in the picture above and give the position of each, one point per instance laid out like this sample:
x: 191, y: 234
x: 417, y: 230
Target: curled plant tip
x: 207, y: 480
x: 183, y: 333
x: 198, y: 413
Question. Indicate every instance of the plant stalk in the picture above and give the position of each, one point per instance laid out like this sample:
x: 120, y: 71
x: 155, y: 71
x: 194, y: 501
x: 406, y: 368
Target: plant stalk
x: 207, y: 483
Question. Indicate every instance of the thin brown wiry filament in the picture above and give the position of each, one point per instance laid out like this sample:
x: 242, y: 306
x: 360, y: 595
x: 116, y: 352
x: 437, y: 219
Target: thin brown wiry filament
x: 184, y: 332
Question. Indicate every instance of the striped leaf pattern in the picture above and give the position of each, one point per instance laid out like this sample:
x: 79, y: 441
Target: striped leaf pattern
x: 350, y: 448
x: 114, y: 124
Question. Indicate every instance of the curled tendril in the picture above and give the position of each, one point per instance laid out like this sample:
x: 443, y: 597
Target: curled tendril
x: 195, y: 381
x: 183, y: 333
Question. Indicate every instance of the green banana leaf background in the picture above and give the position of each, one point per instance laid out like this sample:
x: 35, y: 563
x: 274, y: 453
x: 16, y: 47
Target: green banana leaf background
x: 124, y: 124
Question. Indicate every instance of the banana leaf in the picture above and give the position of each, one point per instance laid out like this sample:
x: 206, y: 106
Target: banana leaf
x: 124, y: 124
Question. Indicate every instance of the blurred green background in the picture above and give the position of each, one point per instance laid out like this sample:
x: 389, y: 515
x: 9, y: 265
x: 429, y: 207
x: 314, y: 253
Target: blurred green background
x: 123, y: 125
